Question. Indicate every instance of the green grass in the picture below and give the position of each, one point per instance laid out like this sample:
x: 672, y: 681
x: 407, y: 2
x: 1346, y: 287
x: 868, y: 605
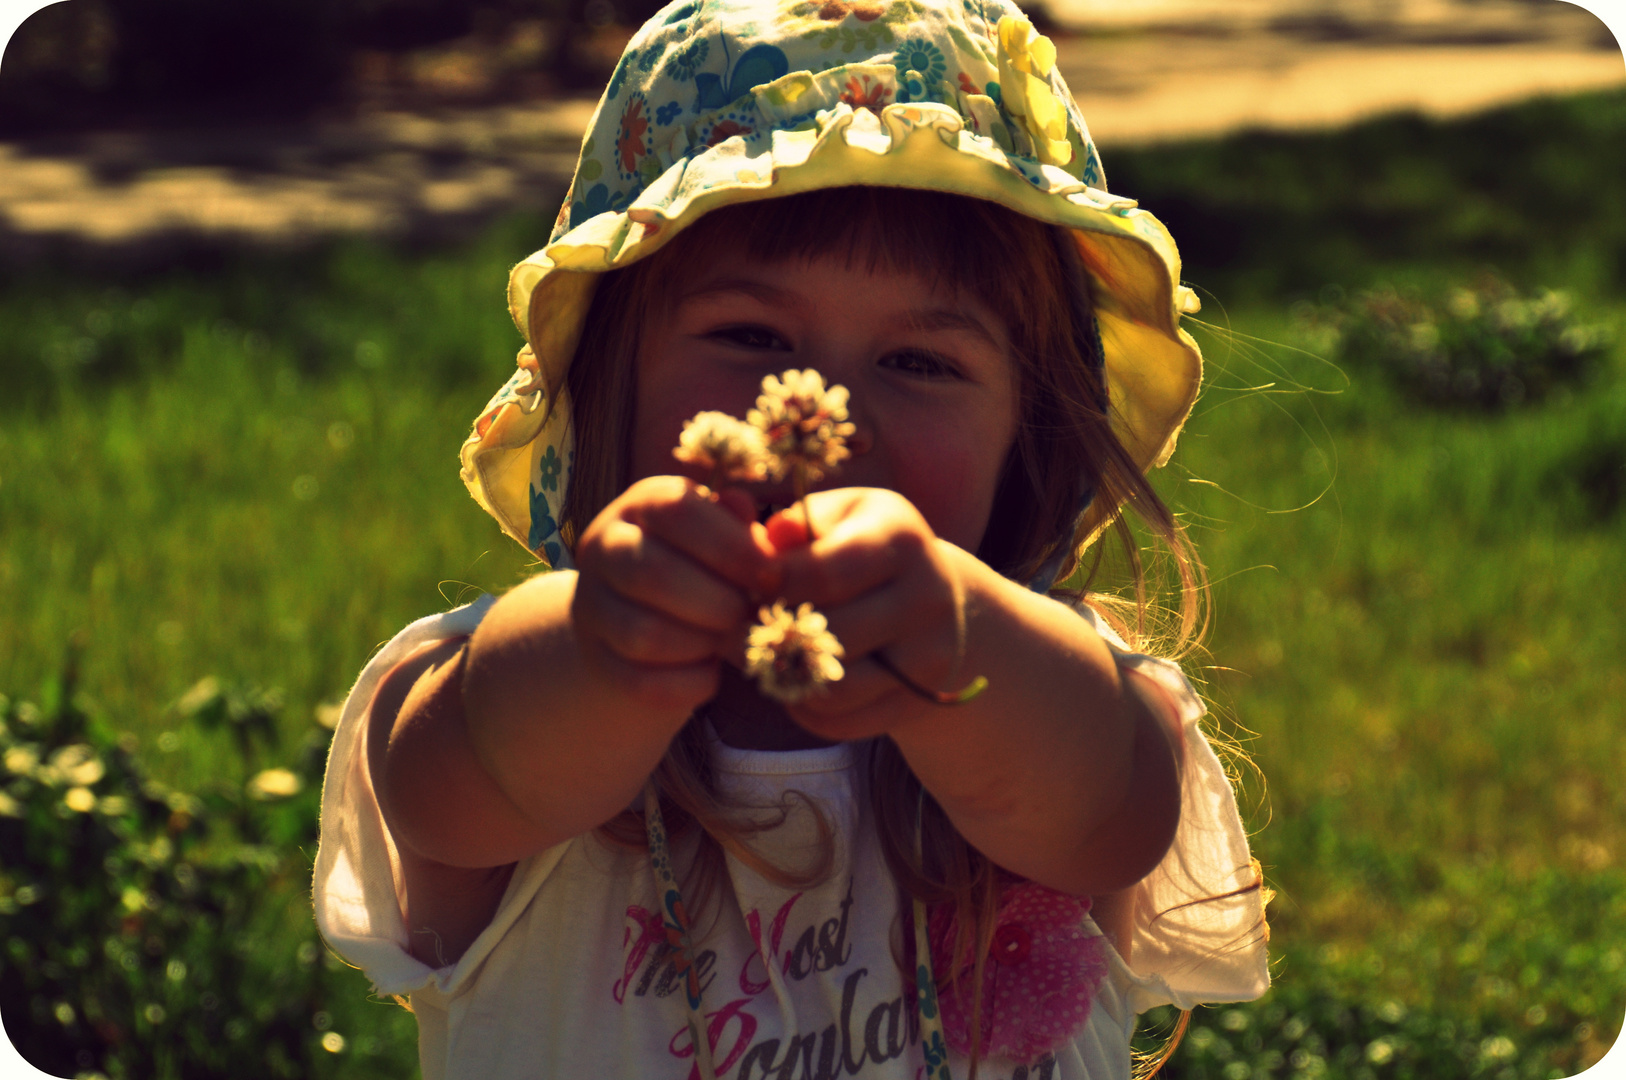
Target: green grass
x: 255, y: 478
x: 1410, y: 618
x: 247, y: 470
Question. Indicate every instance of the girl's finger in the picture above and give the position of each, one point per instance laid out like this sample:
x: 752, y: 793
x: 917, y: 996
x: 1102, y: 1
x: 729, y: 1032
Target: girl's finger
x: 846, y: 564
x: 863, y: 538
x: 738, y: 503
x: 638, y: 633
x: 711, y: 531
x: 866, y: 702
x: 914, y: 610
x: 646, y: 570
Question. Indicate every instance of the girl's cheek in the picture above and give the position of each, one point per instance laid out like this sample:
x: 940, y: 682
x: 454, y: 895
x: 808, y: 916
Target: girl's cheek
x: 954, y: 493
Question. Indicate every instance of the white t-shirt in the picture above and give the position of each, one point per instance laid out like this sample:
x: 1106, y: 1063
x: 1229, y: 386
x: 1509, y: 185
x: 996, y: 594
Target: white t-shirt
x: 571, y: 978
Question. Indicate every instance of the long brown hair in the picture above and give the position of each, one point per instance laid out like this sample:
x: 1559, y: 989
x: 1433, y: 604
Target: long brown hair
x: 1026, y: 272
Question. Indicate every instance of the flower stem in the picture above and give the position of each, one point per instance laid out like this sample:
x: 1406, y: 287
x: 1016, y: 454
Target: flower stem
x: 799, y: 472
x: 936, y: 697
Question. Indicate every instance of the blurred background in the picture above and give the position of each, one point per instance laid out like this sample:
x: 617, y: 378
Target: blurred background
x: 252, y: 260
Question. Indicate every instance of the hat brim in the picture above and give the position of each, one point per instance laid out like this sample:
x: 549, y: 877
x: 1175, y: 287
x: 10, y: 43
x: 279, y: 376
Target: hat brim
x: 1153, y: 368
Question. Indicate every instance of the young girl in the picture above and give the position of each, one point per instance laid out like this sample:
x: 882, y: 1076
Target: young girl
x: 568, y: 828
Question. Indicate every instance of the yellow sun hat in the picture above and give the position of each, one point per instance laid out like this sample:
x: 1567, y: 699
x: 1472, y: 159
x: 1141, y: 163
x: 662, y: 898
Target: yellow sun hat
x: 718, y: 102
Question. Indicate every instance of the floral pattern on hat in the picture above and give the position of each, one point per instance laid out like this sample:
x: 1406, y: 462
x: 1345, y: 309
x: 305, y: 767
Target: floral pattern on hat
x: 696, y: 75
x: 632, y: 143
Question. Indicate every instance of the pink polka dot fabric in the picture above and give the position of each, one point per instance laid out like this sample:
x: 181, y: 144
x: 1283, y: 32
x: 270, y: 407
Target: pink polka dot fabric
x: 1042, y: 972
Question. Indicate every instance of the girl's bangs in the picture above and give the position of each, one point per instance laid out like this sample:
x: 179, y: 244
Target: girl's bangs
x: 946, y: 240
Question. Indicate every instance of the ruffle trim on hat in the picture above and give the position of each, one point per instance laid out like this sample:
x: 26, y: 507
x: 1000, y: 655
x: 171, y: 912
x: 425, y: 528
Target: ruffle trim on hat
x: 805, y: 134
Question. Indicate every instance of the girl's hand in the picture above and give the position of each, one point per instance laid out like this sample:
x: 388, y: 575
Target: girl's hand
x: 666, y: 578
x: 1063, y: 772
x: 884, y: 581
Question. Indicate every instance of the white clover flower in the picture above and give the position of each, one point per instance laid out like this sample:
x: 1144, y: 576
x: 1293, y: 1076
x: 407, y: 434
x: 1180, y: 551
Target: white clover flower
x: 792, y: 656
x: 77, y: 765
x: 22, y: 760
x: 113, y: 805
x: 804, y: 423
x: 731, y: 448
x: 274, y: 784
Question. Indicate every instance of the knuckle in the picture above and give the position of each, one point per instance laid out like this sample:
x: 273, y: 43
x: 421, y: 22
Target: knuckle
x: 908, y: 545
x: 590, y: 546
x: 607, y: 546
x: 642, y: 636
x: 641, y: 573
x: 670, y: 493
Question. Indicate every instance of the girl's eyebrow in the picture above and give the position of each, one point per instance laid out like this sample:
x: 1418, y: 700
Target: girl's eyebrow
x: 926, y: 320
x: 757, y: 290
x: 932, y: 320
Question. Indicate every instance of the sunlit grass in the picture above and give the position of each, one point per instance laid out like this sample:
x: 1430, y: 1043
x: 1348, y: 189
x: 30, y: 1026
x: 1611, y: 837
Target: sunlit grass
x: 266, y: 503
x: 1412, y: 615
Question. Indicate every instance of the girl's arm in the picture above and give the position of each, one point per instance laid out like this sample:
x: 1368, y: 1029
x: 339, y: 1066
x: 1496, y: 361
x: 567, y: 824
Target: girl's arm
x: 458, y: 821
x: 547, y: 721
x: 1066, y: 770
x: 1063, y: 771
x: 444, y: 906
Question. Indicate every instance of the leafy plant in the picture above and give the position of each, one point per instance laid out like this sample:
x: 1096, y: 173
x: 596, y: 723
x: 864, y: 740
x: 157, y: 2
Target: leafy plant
x: 150, y: 932
x: 1310, y: 1026
x: 1485, y: 345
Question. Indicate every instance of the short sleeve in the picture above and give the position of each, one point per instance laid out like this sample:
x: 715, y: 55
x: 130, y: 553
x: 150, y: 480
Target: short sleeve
x: 1200, y: 935
x: 357, y: 884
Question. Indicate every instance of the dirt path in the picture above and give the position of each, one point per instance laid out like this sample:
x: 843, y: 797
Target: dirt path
x: 1179, y: 69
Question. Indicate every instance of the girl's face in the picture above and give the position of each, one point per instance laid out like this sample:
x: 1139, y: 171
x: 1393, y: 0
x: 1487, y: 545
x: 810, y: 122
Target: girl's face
x: 934, y: 387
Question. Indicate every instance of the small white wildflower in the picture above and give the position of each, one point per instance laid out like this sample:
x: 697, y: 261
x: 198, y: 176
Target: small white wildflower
x: 113, y: 805
x: 22, y: 760
x: 274, y: 784
x: 203, y: 692
x: 805, y: 423
x: 728, y: 447
x: 792, y: 656
x: 1464, y: 304
x: 1513, y: 314
x: 78, y: 765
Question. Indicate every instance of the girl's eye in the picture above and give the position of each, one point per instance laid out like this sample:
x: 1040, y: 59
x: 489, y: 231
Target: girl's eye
x: 751, y: 337
x: 922, y: 365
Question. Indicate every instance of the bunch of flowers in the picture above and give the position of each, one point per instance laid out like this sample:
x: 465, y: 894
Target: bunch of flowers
x: 799, y: 429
